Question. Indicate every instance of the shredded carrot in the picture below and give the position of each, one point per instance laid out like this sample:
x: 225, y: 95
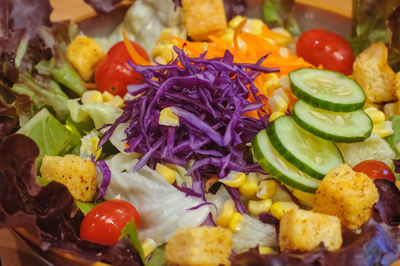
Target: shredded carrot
x: 237, y: 31
x: 136, y: 57
x: 90, y: 85
x: 211, y: 181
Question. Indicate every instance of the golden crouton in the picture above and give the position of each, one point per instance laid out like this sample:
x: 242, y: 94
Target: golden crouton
x: 347, y: 194
x: 372, y: 72
x: 84, y: 53
x: 77, y: 174
x: 397, y: 86
x: 204, y: 18
x: 304, y: 230
x: 203, y: 245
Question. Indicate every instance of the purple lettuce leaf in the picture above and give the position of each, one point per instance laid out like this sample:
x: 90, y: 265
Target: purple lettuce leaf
x: 48, y: 215
x: 8, y: 119
x: 377, y: 244
x: 388, y: 204
x: 103, y: 6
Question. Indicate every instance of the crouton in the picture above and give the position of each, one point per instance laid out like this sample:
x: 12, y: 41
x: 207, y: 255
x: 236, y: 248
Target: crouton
x: 199, y: 246
x: 304, y: 230
x: 204, y: 18
x: 348, y: 195
x: 372, y: 72
x: 77, y: 174
x: 84, y: 54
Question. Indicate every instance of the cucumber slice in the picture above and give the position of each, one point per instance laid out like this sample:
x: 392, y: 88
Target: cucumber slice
x: 311, y: 154
x: 335, y: 126
x: 328, y: 90
x: 272, y: 162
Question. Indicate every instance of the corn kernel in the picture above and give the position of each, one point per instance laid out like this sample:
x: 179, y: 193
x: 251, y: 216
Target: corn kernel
x: 235, y: 223
x: 278, y: 209
x: 305, y: 198
x: 284, y: 52
x: 277, y: 103
x: 234, y: 179
x: 116, y: 101
x: 398, y: 184
x: 89, y: 145
x: 107, y: 96
x: 249, y: 188
x: 376, y: 115
x: 168, y: 173
x: 235, y: 22
x: 266, y: 189
x: 160, y: 60
x: 227, y: 213
x: 149, y: 245
x: 275, y: 116
x: 259, y: 206
x: 281, y: 92
x: 272, y: 83
x: 167, y: 118
x: 383, y: 129
x: 391, y: 109
x: 285, y: 82
x: 91, y: 97
x: 283, y: 38
x: 254, y: 26
x: 165, y: 51
x: 264, y: 250
x: 228, y: 36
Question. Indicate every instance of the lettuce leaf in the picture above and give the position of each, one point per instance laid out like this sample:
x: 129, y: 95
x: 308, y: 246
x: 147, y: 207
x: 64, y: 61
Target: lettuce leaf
x: 130, y: 233
x: 279, y: 13
x: 43, y: 92
x: 52, y: 137
x: 157, y: 257
x: 104, y: 6
x: 373, y: 21
x: 8, y: 119
x: 376, y: 244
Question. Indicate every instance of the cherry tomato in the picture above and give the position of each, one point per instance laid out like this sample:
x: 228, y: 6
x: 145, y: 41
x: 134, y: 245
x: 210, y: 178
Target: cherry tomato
x: 320, y: 47
x: 113, y: 72
x: 103, y: 224
x: 375, y: 170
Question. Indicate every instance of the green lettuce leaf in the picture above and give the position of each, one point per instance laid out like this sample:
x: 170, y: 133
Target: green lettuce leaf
x: 85, y: 207
x: 43, y: 92
x: 374, y: 21
x: 52, y: 137
x: 64, y: 73
x: 157, y: 257
x: 279, y: 13
x: 130, y: 232
x: 99, y: 113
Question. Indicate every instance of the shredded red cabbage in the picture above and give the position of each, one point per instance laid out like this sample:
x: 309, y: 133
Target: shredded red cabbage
x: 104, y: 171
x: 210, y: 97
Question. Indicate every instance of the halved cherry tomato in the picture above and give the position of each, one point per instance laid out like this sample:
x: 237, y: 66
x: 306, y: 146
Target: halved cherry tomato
x: 113, y: 72
x: 375, y: 170
x: 104, y: 223
x: 320, y: 47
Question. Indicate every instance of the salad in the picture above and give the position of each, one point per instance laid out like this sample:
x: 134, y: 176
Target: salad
x: 194, y: 135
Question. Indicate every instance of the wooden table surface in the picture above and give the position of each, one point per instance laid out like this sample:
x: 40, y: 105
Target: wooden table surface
x: 12, y: 251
